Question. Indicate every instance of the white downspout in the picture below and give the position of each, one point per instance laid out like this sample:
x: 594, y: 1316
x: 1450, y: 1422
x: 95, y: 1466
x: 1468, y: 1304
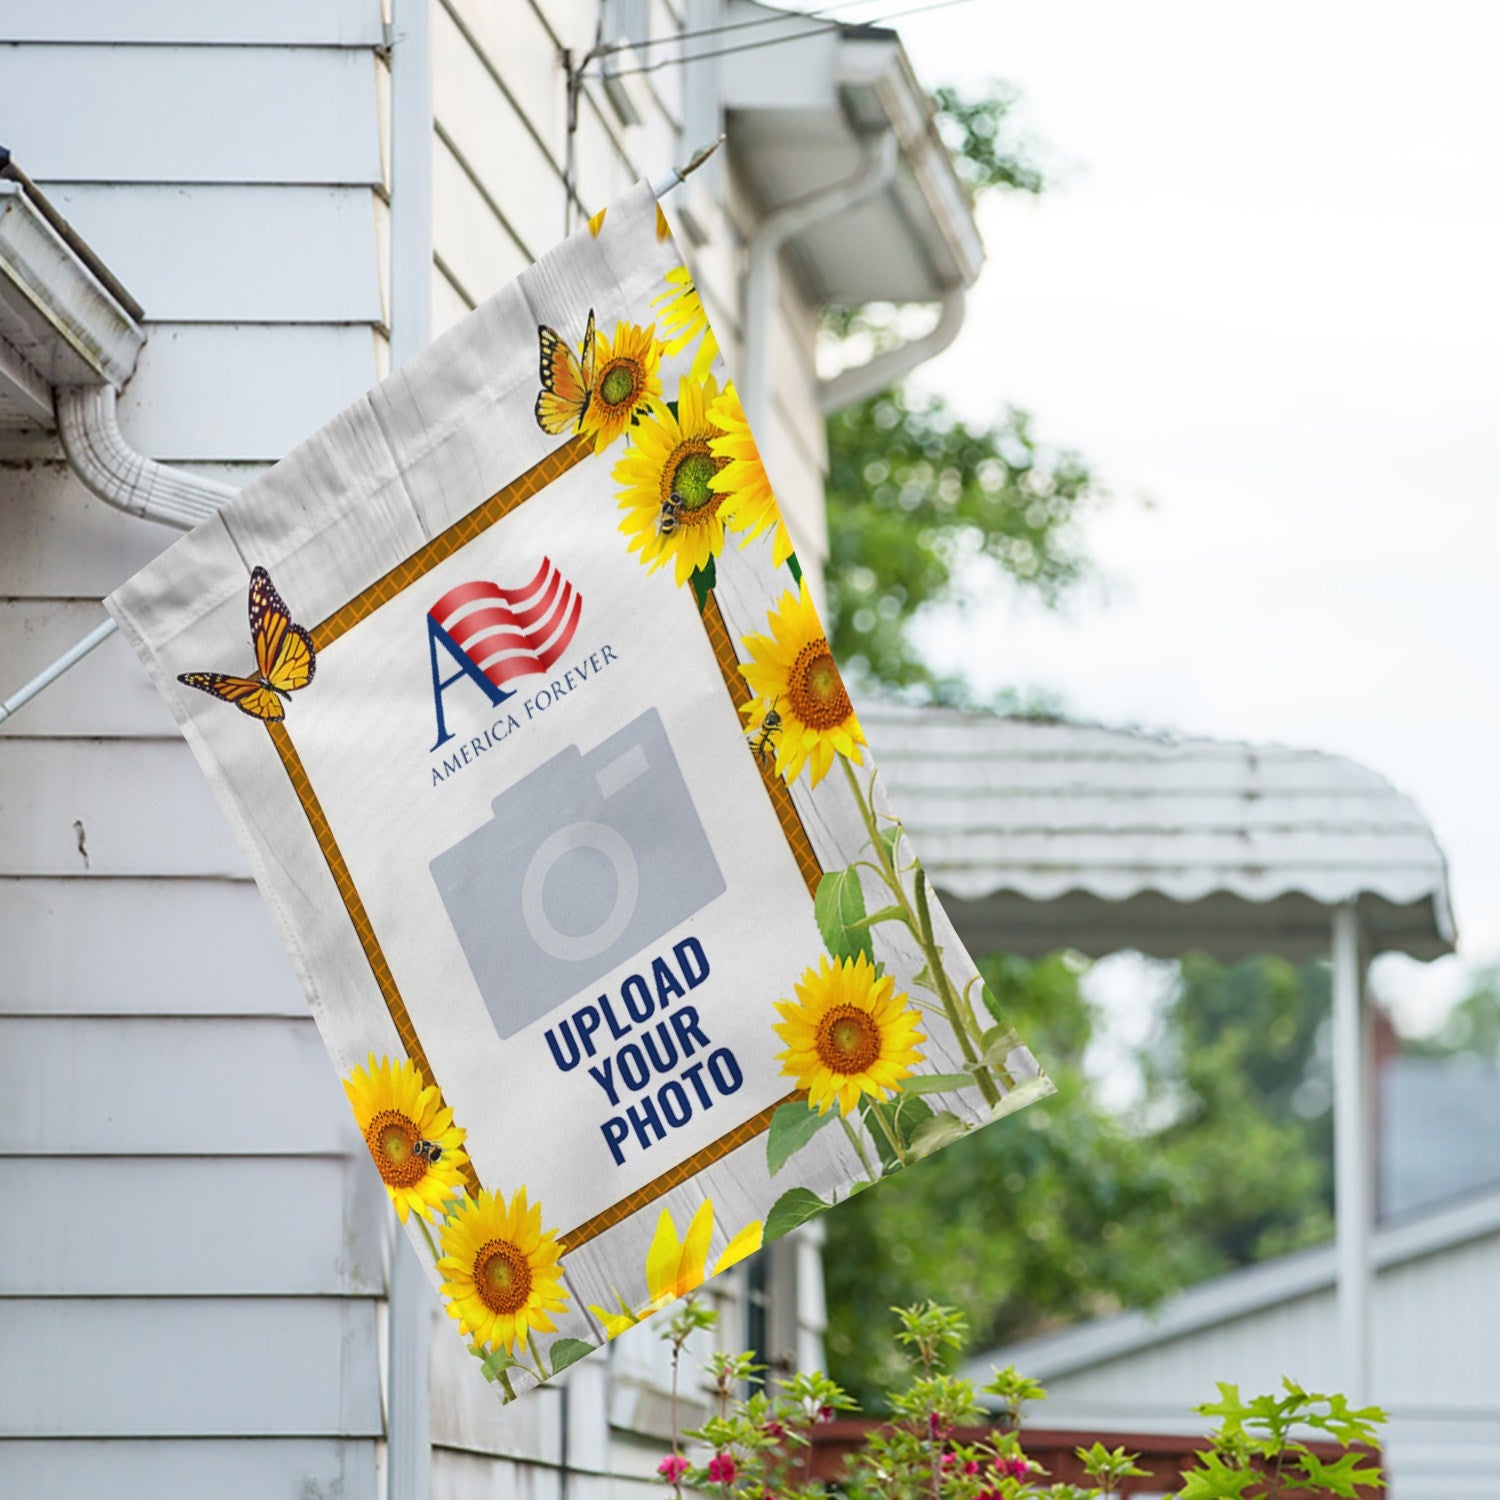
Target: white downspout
x: 762, y: 267
x: 884, y: 370
x: 111, y: 469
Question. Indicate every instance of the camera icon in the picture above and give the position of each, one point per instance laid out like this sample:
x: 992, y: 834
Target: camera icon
x: 585, y: 862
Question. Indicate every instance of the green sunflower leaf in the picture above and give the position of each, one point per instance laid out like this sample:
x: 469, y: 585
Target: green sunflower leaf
x: 794, y: 1207
x: 838, y: 906
x: 495, y: 1363
x: 703, y: 580
x: 891, y: 838
x: 937, y: 1083
x: 565, y: 1352
x: 991, y: 1004
x: 904, y: 1115
x: 796, y: 568
x: 932, y: 1135
x: 792, y: 1127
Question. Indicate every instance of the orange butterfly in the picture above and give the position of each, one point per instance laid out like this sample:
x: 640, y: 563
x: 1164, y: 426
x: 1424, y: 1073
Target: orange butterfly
x: 284, y: 657
x: 567, y: 382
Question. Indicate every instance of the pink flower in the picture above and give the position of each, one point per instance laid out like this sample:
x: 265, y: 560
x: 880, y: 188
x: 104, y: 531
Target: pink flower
x: 773, y: 1428
x: 825, y: 1414
x: 972, y: 1467
x: 948, y: 1460
x: 721, y: 1469
x: 938, y: 1426
x: 1013, y: 1468
x: 673, y: 1467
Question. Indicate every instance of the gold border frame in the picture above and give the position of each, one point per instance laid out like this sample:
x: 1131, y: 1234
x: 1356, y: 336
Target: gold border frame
x: 364, y: 604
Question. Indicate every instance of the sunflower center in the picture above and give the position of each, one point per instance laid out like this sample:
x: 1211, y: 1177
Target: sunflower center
x: 815, y: 689
x: 502, y: 1276
x: 848, y: 1039
x: 390, y: 1137
x: 685, y: 479
x: 622, y: 381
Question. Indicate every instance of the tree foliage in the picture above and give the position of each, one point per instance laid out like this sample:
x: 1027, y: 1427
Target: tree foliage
x: 916, y: 497
x: 926, y: 508
x: 1068, y: 1211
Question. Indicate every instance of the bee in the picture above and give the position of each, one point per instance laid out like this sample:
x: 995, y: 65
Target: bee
x: 429, y: 1150
x: 770, y: 726
x: 667, y: 521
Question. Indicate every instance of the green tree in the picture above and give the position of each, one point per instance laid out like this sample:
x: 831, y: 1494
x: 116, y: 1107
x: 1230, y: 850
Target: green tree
x: 927, y: 509
x: 1068, y: 1211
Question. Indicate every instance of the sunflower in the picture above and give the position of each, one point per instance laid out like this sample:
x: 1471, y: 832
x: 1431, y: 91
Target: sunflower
x: 847, y: 1034
x: 683, y: 320
x: 626, y: 384
x: 749, y: 505
x: 397, y: 1112
x: 671, y: 513
x: 500, y: 1269
x: 675, y: 1266
x: 596, y: 222
x: 793, y: 674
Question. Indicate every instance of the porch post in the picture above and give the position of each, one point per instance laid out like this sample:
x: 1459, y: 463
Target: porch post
x: 1352, y: 1175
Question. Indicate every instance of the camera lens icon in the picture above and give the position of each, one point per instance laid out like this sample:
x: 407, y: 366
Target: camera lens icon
x: 569, y: 947
x: 585, y: 861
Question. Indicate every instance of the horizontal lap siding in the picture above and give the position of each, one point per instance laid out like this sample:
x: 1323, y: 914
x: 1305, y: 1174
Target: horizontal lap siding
x: 198, y: 1310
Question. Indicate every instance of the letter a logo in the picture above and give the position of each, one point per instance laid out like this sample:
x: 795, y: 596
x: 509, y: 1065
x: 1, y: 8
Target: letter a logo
x: 493, y: 636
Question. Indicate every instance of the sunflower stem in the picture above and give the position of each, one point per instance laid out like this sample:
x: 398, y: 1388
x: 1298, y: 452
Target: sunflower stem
x: 920, y: 923
x: 956, y: 1020
x: 536, y: 1354
x: 889, y: 1133
x: 427, y: 1235
x: 506, y: 1386
x: 859, y: 1147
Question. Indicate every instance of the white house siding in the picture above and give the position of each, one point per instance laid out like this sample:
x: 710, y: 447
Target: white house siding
x: 1436, y: 1370
x: 191, y: 1254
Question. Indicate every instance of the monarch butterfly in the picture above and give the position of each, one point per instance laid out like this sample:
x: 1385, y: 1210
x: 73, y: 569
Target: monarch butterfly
x: 284, y: 657
x: 567, y: 382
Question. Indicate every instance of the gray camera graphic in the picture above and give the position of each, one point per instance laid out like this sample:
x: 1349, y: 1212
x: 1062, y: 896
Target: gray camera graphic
x: 585, y: 862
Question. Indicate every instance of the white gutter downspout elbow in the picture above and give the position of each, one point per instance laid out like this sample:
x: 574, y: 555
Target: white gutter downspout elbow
x: 101, y: 458
x: 884, y: 370
x: 762, y: 279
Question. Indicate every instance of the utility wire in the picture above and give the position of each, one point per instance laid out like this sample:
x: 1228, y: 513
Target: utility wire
x: 776, y: 41
x: 781, y: 17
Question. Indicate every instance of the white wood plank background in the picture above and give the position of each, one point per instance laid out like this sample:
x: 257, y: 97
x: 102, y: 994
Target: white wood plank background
x: 200, y: 114
x: 291, y: 22
x: 242, y: 391
x: 126, y: 1087
x: 253, y: 1227
x: 234, y: 252
x: 261, y: 1468
x: 186, y: 947
x: 189, y: 1366
x: 138, y: 807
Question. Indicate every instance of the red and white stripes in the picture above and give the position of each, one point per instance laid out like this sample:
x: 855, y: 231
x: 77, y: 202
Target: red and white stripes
x: 510, y: 633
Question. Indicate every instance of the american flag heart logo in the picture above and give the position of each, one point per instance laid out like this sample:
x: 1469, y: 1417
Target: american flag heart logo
x: 510, y: 633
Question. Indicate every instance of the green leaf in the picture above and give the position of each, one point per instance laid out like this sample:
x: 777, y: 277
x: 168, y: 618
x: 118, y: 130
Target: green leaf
x: 932, y: 1135
x: 925, y: 979
x: 792, y: 1127
x: 796, y: 568
x: 937, y: 1083
x: 495, y: 1363
x: 991, y: 1004
x: 903, y: 1115
x: 565, y: 1352
x: 839, y: 904
x: 794, y: 1207
x: 890, y: 839
x: 998, y: 1044
x: 703, y: 580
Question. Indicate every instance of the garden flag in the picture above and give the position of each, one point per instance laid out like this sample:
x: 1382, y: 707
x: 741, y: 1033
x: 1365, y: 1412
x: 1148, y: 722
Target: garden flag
x: 518, y: 702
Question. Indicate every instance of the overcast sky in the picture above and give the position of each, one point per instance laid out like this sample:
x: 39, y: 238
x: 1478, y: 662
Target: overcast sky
x: 1263, y: 293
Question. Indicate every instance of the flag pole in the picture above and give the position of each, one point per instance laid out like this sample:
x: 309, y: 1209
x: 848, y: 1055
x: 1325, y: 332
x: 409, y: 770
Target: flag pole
x: 102, y: 632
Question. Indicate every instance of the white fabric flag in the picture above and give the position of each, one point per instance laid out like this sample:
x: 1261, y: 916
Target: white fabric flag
x: 539, y: 756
